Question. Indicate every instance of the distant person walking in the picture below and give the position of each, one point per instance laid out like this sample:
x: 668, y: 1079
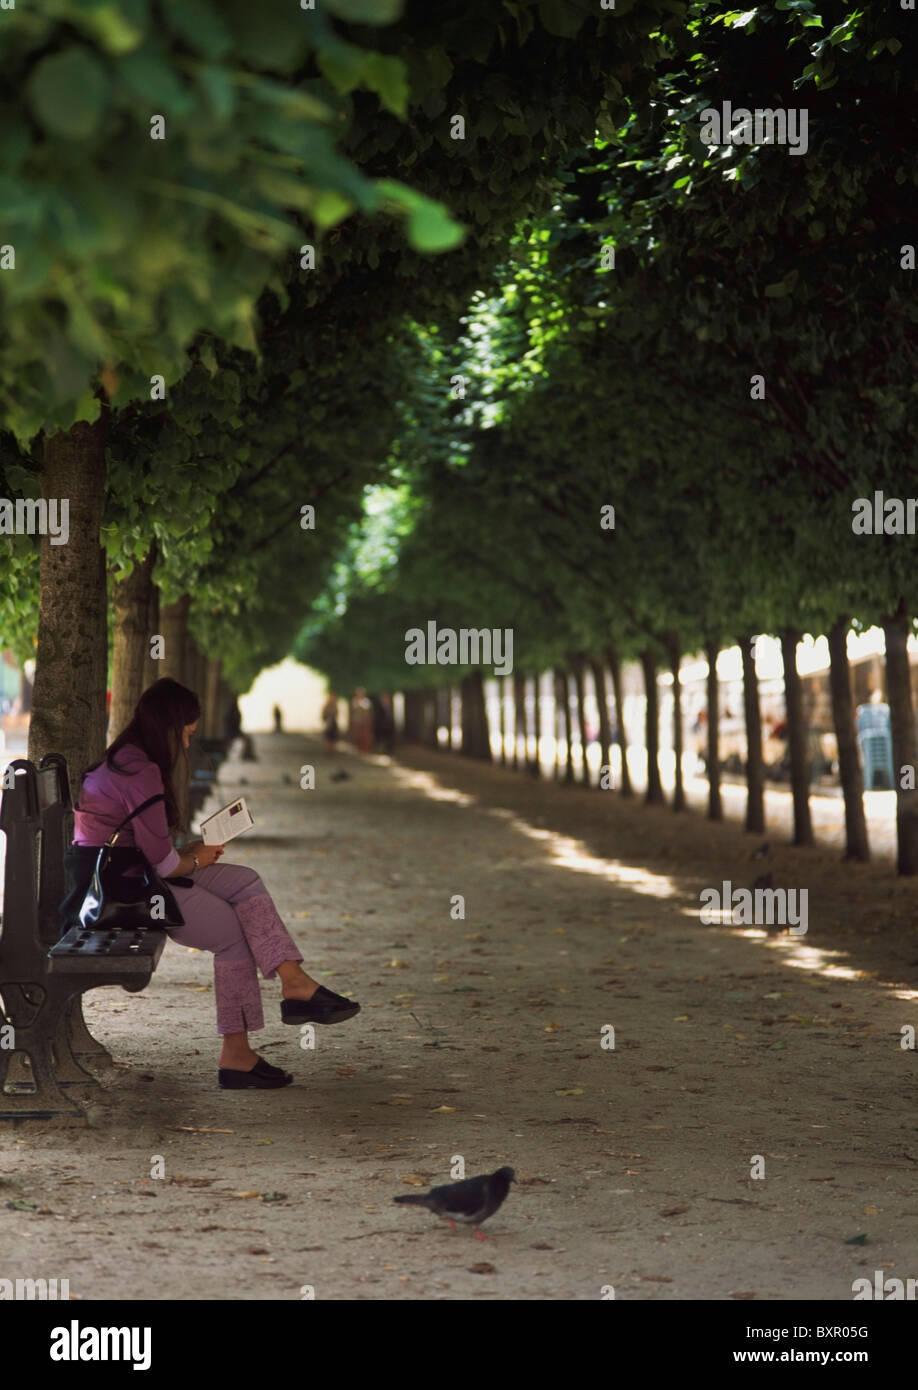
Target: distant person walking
x: 330, y: 731
x: 278, y: 720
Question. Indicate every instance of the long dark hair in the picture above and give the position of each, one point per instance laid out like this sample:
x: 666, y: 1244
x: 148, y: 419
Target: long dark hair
x: 156, y: 726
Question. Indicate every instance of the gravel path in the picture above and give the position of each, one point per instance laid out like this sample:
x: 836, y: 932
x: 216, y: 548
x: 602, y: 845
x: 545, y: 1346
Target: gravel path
x: 480, y: 1040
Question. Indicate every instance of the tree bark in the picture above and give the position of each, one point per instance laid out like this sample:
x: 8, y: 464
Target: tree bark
x: 568, y: 729
x: 654, y: 794
x: 131, y: 603
x: 173, y: 620
x: 413, y: 716
x: 449, y: 718
x: 899, y: 694
x: 615, y: 670
x: 715, y: 803
x: 534, y: 764
x: 503, y: 686
x: 755, y: 767
x: 849, y: 766
x: 151, y: 668
x: 476, y: 742
x: 577, y: 665
x: 605, y: 728
x: 71, y: 660
x: 674, y: 656
x: 212, y: 720
x: 519, y: 718
x: 432, y: 714
x: 797, y: 739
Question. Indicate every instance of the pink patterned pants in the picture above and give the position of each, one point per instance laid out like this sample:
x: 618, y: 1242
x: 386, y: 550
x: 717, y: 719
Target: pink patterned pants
x: 230, y: 912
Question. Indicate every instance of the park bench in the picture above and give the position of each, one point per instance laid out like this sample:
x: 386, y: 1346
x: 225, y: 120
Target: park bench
x: 42, y: 973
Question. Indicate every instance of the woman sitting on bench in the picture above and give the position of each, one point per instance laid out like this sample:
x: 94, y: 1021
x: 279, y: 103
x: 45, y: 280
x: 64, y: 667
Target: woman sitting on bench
x: 226, y: 907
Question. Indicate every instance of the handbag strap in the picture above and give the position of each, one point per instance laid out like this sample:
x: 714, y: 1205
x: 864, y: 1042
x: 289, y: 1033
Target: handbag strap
x: 150, y: 801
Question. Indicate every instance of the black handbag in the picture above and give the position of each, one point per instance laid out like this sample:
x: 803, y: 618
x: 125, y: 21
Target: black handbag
x: 113, y: 897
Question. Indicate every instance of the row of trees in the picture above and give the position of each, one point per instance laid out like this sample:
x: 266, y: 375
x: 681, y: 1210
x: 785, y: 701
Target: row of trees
x: 204, y: 339
x: 713, y: 349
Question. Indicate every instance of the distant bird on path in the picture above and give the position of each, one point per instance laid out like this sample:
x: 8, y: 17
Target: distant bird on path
x: 471, y: 1200
x: 763, y: 851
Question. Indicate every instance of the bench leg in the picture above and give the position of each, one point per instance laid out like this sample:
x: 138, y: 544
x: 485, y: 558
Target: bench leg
x: 82, y: 1042
x: 48, y: 1099
x: 66, y: 1067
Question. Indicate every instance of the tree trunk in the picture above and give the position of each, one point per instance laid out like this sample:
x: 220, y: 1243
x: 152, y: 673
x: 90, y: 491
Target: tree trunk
x: 432, y: 713
x: 715, y: 804
x: 797, y: 739
x: 449, y: 718
x: 131, y: 603
x: 173, y: 619
x: 605, y: 728
x: 568, y: 729
x: 71, y: 660
x: 534, y: 764
x: 654, y: 793
x: 899, y: 694
x: 557, y: 721
x: 225, y: 700
x: 503, y: 684
x: 519, y: 718
x: 476, y: 741
x: 755, y: 767
x: 577, y: 664
x: 674, y: 656
x: 212, y: 721
x: 195, y: 667
x: 151, y: 668
x: 615, y: 670
x: 413, y: 716
x: 849, y: 766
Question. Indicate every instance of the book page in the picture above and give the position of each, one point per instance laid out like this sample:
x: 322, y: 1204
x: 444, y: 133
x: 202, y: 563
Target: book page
x: 227, y: 823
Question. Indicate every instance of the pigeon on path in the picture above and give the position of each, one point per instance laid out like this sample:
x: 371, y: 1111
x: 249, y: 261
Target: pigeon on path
x: 471, y: 1200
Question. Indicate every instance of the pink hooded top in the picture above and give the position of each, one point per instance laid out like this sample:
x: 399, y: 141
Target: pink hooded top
x: 107, y: 797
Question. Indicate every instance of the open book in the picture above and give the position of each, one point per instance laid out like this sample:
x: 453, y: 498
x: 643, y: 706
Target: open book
x: 227, y: 823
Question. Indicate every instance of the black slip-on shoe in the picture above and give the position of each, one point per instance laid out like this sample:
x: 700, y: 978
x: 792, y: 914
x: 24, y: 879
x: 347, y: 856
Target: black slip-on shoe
x: 262, y: 1077
x: 324, y: 1007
